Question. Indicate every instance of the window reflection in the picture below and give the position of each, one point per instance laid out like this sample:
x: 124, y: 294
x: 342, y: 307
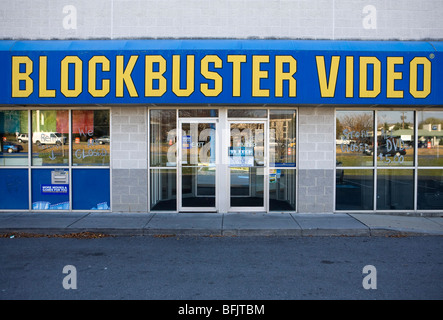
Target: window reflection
x: 395, y: 189
x: 247, y: 113
x: 430, y: 189
x: 354, y: 138
x: 282, y: 138
x: 202, y: 113
x: 281, y: 190
x: 163, y: 190
x: 247, y: 143
x: 163, y: 138
x: 430, y: 138
x: 14, y: 138
x: 50, y: 132
x: 395, y: 138
x: 354, y: 189
x: 247, y: 187
x: 90, y: 137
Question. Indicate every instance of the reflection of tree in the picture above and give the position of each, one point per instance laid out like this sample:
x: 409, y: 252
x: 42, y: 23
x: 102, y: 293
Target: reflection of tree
x: 431, y: 120
x: 404, y: 125
x: 354, y: 122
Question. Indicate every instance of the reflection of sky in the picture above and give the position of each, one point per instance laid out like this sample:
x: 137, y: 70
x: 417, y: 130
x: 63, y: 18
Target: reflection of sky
x: 392, y: 117
x: 342, y: 114
x: 430, y: 114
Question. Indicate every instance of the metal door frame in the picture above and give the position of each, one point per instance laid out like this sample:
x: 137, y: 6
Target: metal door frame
x: 180, y: 206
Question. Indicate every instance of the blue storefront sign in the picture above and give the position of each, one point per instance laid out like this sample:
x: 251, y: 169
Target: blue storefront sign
x: 221, y: 71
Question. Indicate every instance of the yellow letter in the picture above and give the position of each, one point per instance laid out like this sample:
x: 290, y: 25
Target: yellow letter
x: 189, y: 76
x: 349, y: 77
x: 364, y: 92
x: 123, y: 75
x: 92, y: 76
x: 78, y: 75
x: 44, y: 92
x: 413, y: 74
x: 327, y: 88
x: 152, y: 75
x: 257, y: 75
x: 211, y: 75
x: 18, y: 76
x: 391, y: 76
x: 280, y: 76
x: 236, y: 61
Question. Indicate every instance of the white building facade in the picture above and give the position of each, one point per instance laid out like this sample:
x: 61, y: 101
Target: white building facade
x: 222, y: 106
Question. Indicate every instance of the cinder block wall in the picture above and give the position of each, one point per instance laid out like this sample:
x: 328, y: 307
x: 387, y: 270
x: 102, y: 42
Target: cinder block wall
x: 129, y: 147
x: 316, y: 159
x: 294, y: 19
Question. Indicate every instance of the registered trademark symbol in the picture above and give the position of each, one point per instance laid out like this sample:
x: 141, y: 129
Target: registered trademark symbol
x: 432, y: 56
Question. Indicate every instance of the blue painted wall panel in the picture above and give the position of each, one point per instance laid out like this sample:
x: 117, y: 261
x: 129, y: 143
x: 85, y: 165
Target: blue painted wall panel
x: 14, y: 189
x: 90, y: 189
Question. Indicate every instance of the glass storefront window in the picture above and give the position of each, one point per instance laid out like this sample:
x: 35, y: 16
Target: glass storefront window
x: 198, y: 113
x: 198, y: 187
x: 430, y: 138
x: 163, y: 138
x: 247, y: 113
x: 395, y: 138
x: 393, y: 160
x: 430, y: 189
x: 282, y: 190
x: 247, y: 145
x: 14, y: 138
x: 163, y: 190
x: 50, y: 132
x: 355, y: 138
x: 247, y: 187
x: 354, y: 189
x: 282, y: 138
x: 45, y: 183
x: 395, y: 189
x: 90, y: 138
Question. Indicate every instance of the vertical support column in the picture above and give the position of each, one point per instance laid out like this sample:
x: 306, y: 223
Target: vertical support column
x: 223, y: 187
x: 129, y: 156
x: 316, y: 159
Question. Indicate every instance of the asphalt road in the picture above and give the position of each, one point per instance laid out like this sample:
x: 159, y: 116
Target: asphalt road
x: 213, y: 268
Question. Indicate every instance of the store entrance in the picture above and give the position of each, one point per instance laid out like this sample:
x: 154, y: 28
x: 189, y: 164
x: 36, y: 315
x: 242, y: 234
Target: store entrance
x: 197, y: 165
x: 201, y: 169
x: 247, y: 163
x: 222, y: 160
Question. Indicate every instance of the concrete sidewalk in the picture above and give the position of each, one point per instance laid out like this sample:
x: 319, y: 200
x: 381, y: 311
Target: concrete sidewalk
x: 218, y: 224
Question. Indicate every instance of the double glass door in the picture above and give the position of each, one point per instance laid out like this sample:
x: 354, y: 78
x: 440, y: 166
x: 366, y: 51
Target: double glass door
x: 210, y: 178
x: 222, y: 160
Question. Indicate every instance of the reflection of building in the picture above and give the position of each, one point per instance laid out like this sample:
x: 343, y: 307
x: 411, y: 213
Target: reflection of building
x: 147, y: 83
x: 430, y: 133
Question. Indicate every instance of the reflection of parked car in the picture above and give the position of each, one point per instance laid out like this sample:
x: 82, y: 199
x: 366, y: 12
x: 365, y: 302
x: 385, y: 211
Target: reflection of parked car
x: 368, y: 150
x: 384, y: 150
x: 104, y: 140
x: 23, y: 137
x: 48, y: 138
x: 11, y: 147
